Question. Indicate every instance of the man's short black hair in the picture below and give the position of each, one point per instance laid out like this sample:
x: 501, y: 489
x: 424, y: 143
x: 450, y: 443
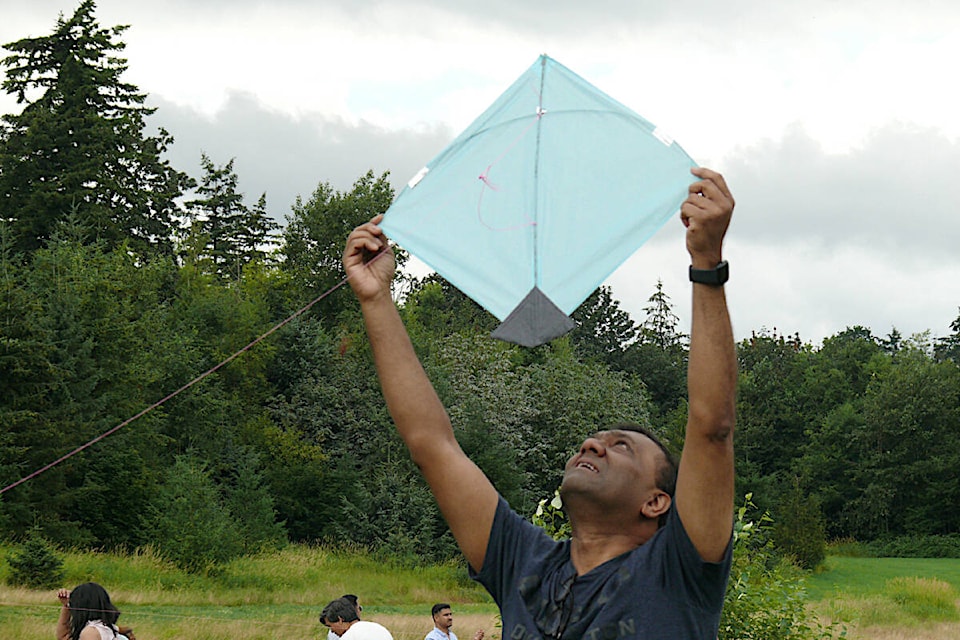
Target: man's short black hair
x: 340, y: 609
x: 437, y: 608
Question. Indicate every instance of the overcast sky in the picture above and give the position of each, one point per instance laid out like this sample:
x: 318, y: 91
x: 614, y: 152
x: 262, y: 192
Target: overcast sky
x: 835, y: 123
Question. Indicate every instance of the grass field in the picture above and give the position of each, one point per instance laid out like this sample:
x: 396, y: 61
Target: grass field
x: 890, y: 598
x: 868, y: 576
x: 266, y: 597
x: 281, y: 595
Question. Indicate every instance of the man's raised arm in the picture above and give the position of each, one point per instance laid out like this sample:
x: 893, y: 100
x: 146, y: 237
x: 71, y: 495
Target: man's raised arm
x: 705, y: 483
x: 466, y: 497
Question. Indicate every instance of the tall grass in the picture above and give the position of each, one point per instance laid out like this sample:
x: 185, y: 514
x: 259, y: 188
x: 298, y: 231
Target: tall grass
x: 266, y: 596
x: 904, y: 603
x: 890, y: 597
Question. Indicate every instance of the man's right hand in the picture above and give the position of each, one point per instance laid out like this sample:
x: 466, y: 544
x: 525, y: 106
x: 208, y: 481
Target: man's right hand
x: 368, y: 261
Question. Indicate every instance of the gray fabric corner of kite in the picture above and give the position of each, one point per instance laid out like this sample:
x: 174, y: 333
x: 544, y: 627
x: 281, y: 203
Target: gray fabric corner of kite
x: 535, y: 321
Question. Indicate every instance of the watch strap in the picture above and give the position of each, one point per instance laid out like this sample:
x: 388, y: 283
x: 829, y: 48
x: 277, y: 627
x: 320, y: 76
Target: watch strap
x: 715, y: 277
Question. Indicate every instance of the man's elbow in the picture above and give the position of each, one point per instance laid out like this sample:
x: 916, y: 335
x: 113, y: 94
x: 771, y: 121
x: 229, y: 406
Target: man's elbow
x: 426, y: 449
x: 712, y: 425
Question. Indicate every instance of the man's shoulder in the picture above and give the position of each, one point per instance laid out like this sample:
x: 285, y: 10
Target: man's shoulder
x: 436, y: 634
x: 366, y: 630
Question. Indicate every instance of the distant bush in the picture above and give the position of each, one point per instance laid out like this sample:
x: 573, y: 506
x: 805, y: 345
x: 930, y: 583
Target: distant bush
x: 800, y: 531
x: 35, y: 564
x: 848, y: 548
x: 945, y: 546
x: 925, y: 599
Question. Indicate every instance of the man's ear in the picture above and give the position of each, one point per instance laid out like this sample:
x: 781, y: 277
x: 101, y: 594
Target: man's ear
x: 657, y: 505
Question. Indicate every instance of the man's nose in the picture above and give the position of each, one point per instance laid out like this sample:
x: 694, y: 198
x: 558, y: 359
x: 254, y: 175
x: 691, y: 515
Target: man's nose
x: 593, y: 445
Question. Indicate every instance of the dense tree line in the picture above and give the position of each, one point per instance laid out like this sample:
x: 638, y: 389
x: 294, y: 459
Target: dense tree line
x: 122, y: 279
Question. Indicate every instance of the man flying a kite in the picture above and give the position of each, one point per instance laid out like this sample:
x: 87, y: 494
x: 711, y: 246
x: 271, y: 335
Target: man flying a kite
x: 650, y: 550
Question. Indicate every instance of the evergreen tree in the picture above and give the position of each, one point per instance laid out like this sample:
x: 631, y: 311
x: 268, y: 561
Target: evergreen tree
x: 224, y: 233
x: 79, y: 143
x: 81, y: 330
x: 893, y: 342
x: 35, y: 564
x: 948, y: 348
x: 249, y: 501
x: 257, y: 235
x: 604, y: 330
x: 661, y: 324
x: 659, y: 357
x: 190, y: 524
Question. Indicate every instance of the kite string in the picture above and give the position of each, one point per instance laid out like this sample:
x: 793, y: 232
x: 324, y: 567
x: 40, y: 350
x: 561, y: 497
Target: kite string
x: 203, y: 375
x: 485, y: 178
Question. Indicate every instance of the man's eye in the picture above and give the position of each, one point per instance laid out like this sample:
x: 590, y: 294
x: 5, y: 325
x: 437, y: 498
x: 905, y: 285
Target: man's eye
x: 622, y: 443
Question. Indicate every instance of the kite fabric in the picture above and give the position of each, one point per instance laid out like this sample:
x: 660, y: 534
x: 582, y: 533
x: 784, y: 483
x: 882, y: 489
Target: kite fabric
x: 540, y: 199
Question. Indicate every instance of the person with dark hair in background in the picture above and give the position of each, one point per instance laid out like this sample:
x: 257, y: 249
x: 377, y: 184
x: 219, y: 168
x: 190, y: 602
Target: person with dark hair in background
x: 341, y: 617
x: 356, y: 603
x: 88, y: 614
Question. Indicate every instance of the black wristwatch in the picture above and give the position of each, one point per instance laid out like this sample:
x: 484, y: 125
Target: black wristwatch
x: 716, y: 276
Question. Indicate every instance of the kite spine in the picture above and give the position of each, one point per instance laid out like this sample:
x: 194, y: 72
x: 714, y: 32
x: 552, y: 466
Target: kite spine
x: 536, y: 175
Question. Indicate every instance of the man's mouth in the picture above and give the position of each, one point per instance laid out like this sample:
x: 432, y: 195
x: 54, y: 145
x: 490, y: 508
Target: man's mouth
x: 583, y: 464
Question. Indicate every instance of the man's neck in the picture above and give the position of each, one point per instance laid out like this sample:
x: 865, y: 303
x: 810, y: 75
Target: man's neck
x: 591, y: 546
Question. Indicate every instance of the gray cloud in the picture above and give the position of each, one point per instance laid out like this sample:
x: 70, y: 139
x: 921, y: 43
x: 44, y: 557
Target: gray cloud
x: 566, y: 15
x: 286, y: 156
x: 892, y: 194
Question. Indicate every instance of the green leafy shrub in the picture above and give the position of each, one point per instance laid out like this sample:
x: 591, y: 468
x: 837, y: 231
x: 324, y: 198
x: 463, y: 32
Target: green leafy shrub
x: 765, y: 597
x: 35, y: 564
x: 550, y: 517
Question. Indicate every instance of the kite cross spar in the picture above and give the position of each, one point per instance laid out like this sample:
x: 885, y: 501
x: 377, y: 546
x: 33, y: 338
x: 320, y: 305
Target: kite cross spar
x: 571, y: 183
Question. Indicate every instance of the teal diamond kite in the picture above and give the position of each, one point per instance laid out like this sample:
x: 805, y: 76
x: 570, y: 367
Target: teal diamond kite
x: 540, y: 199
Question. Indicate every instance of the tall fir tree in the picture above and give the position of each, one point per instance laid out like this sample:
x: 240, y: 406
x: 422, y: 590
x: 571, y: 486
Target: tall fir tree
x: 224, y: 232
x: 948, y: 347
x: 79, y: 144
x: 604, y: 330
x: 661, y: 326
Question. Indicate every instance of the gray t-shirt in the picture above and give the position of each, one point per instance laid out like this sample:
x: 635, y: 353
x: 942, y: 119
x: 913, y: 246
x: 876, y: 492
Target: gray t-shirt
x: 659, y: 590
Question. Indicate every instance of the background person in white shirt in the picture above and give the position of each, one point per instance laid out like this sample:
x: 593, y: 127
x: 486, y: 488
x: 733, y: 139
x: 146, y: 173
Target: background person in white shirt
x: 341, y: 617
x: 442, y: 621
x: 356, y: 603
